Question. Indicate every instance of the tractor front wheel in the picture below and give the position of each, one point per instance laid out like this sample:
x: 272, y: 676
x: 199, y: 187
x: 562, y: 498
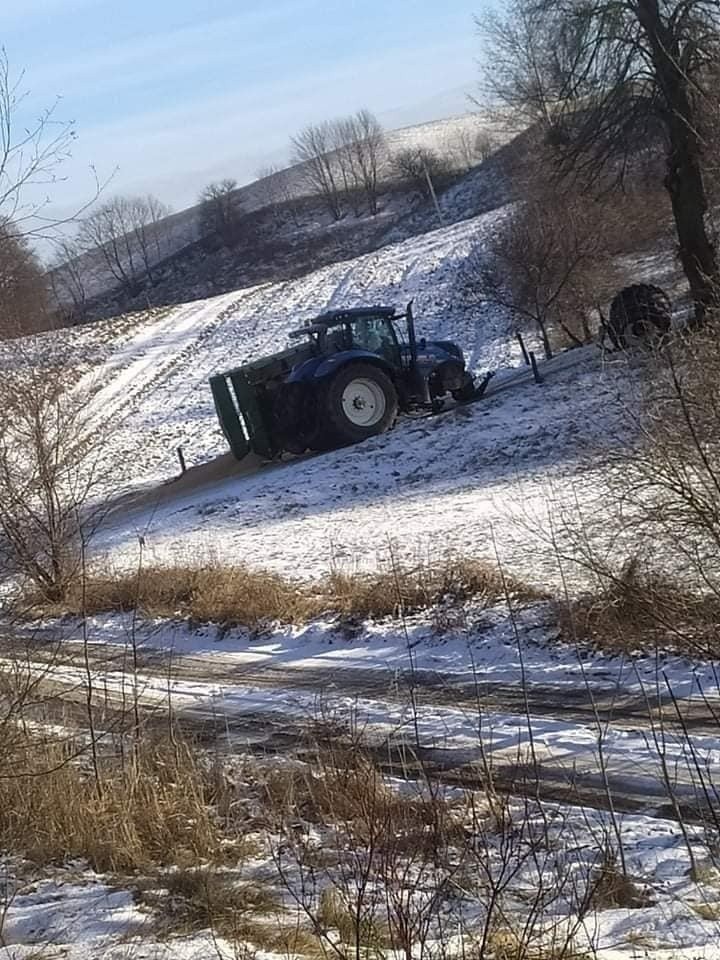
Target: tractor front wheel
x: 466, y: 392
x: 361, y: 401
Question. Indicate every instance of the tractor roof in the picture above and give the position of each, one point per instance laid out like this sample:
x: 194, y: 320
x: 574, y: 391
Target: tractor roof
x: 332, y: 318
x: 354, y: 313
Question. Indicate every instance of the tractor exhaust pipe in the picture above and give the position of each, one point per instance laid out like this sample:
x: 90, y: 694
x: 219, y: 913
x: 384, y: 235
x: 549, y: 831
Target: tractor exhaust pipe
x: 412, y: 339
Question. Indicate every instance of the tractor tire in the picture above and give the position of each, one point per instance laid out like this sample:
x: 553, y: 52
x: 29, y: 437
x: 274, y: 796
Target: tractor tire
x: 360, y: 402
x: 641, y: 311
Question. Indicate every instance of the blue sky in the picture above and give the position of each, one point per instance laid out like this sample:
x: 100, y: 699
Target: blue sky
x: 177, y: 92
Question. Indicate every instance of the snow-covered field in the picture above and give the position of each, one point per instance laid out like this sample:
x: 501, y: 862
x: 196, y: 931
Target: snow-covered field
x: 476, y: 480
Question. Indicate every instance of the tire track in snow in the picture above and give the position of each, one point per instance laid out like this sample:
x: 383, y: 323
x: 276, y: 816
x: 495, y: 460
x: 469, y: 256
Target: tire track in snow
x: 151, y: 352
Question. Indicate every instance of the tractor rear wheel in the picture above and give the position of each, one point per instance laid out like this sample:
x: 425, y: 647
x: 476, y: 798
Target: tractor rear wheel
x: 361, y: 401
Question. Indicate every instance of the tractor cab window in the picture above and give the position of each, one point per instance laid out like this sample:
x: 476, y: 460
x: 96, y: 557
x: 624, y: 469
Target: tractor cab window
x: 337, y: 339
x: 377, y: 336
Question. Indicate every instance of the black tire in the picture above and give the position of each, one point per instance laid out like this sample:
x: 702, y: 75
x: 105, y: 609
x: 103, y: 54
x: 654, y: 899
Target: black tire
x: 642, y: 311
x: 376, y: 404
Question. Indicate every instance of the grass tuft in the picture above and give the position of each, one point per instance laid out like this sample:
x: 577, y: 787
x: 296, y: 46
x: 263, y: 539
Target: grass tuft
x: 149, y: 809
x: 638, y: 610
x: 201, y: 898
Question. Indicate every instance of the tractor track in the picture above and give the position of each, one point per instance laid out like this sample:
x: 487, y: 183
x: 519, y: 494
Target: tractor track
x: 594, y: 704
x: 63, y: 699
x: 265, y: 735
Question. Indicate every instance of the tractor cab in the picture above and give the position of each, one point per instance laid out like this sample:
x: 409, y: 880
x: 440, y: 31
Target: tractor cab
x: 372, y: 330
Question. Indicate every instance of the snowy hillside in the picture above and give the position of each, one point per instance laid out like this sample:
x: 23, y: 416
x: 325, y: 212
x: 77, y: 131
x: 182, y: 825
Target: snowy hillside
x: 448, y: 137
x: 297, y: 241
x: 154, y: 389
x: 449, y: 479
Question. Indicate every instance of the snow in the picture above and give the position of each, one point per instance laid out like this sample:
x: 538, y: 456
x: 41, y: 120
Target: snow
x: 491, y: 481
x: 76, y: 914
x: 82, y: 917
x: 79, y: 915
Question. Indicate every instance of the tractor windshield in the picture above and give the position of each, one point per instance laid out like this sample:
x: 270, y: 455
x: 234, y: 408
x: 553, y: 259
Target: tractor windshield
x: 376, y: 335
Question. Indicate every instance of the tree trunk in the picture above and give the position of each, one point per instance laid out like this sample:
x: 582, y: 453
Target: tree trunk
x: 545, y: 339
x: 684, y: 181
x: 685, y: 185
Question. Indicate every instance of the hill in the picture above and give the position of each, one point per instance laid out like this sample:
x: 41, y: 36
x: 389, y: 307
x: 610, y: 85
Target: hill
x: 284, y: 231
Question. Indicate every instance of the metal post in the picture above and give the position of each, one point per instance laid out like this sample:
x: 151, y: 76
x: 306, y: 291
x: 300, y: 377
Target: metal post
x: 181, y: 458
x: 523, y: 348
x: 536, y: 372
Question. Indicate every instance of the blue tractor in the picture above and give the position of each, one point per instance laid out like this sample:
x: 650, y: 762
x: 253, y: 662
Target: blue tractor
x: 344, y: 378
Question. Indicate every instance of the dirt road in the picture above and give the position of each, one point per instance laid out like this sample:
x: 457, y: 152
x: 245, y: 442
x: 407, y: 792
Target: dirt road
x: 275, y: 709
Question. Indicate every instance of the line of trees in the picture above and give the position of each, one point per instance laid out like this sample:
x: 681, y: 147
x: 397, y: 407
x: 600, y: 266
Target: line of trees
x: 342, y: 162
x: 346, y: 163
x: 124, y: 239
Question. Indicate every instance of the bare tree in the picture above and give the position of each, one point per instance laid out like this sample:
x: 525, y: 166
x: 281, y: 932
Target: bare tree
x: 366, y: 148
x: 126, y: 234
x: 549, y: 266
x: 421, y: 168
x: 267, y: 190
x: 275, y: 190
x: 30, y: 159
x: 341, y: 161
x: 463, y: 147
x: 68, y: 279
x: 23, y: 290
x: 146, y: 215
x: 48, y: 473
x: 484, y: 146
x: 220, y: 213
x: 108, y: 234
x: 343, y: 158
x: 605, y: 77
x: 314, y: 148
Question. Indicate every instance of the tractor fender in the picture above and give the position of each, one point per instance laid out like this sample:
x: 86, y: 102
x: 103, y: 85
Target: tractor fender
x: 323, y: 368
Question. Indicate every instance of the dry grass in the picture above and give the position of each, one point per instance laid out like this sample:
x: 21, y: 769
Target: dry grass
x: 202, y: 898
x: 637, y: 610
x: 346, y: 786
x: 151, y: 808
x: 233, y: 595
x: 333, y: 914
x: 609, y: 888
x: 408, y: 589
x: 707, y: 911
x: 240, y: 596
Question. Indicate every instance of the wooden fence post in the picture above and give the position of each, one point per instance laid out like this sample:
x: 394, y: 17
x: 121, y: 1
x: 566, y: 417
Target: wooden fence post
x: 534, y: 365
